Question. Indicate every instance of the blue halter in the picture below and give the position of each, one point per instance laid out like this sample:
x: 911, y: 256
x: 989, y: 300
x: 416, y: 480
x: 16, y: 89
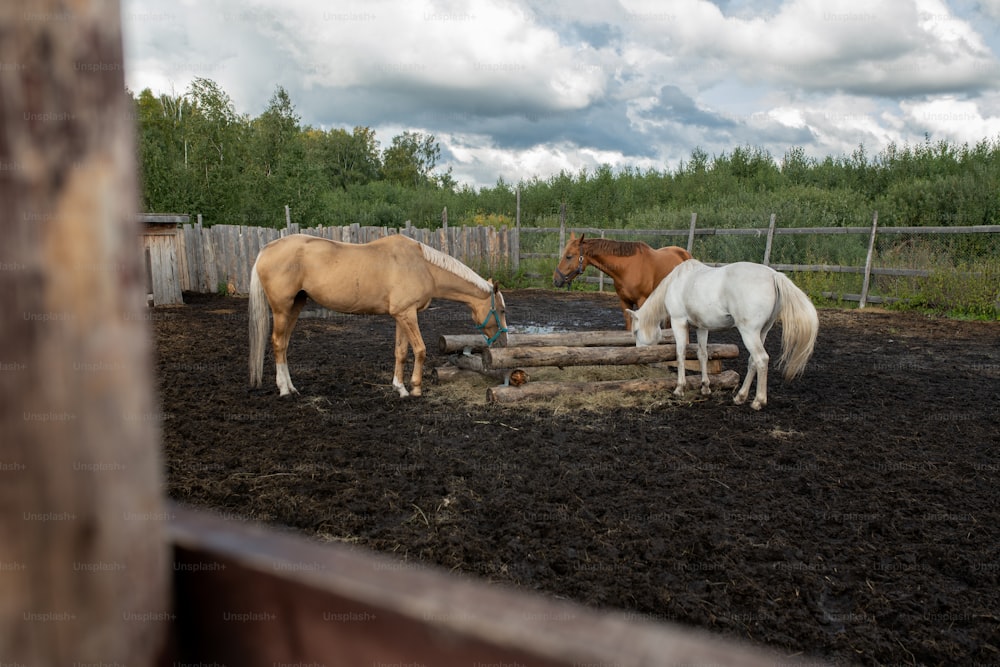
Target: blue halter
x: 493, y: 314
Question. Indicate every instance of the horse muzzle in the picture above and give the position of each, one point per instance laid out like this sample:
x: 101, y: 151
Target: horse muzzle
x: 560, y: 279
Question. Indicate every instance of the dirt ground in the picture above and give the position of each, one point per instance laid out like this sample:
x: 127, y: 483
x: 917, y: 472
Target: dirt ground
x: 854, y: 519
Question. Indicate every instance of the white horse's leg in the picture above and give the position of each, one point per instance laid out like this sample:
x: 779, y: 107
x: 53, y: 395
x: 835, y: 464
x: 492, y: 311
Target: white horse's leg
x: 757, y: 365
x: 680, y: 328
x: 703, y: 360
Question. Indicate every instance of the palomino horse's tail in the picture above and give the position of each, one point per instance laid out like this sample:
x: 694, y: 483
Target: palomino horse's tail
x: 259, y: 317
x: 799, y: 326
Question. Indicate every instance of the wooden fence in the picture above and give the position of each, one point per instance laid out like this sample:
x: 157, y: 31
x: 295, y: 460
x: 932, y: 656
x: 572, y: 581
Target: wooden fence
x: 678, y: 236
x: 210, y: 257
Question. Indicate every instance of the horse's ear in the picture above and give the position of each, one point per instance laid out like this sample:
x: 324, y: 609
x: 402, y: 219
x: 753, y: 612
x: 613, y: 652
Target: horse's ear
x: 581, y: 237
x: 496, y: 285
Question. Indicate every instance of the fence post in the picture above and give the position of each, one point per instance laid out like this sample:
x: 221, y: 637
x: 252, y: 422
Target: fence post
x: 77, y: 402
x: 444, y: 236
x: 868, y: 264
x: 288, y: 217
x: 515, y: 249
x: 694, y: 221
x: 770, y: 239
x: 600, y: 274
x: 562, y: 226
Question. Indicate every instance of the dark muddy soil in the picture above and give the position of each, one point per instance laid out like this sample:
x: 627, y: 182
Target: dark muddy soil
x: 854, y: 519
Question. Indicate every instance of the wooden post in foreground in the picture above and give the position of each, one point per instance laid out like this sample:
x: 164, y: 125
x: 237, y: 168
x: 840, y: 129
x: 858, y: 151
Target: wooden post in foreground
x: 83, y: 562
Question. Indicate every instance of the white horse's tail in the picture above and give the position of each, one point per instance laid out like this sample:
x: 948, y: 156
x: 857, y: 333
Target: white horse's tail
x: 259, y: 318
x: 799, y: 326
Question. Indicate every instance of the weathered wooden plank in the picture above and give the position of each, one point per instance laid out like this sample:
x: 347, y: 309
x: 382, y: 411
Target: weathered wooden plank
x: 540, y: 390
x: 166, y: 283
x: 164, y: 218
x: 196, y: 256
x: 515, y: 357
x: 251, y: 596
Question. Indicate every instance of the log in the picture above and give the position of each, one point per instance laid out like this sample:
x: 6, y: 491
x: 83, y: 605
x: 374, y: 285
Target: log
x: 450, y: 373
x: 456, y: 343
x: 511, y: 357
x: 467, y: 367
x: 540, y: 390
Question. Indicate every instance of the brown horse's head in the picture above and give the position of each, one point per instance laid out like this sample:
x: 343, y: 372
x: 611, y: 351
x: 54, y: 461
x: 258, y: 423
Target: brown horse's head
x: 491, y: 317
x: 571, y: 262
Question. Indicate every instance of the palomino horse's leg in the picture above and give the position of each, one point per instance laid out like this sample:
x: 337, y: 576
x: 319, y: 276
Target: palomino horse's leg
x: 680, y: 328
x: 408, y: 335
x: 284, y: 322
x: 703, y: 360
x: 754, y: 342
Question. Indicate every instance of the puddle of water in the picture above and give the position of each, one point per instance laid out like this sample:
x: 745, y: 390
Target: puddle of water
x: 535, y: 329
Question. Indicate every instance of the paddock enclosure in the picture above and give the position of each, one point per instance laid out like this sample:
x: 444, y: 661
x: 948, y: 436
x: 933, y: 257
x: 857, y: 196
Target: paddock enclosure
x: 854, y: 520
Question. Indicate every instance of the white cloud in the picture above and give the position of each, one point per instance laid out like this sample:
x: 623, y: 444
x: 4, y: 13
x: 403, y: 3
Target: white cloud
x: 524, y: 88
x: 962, y: 121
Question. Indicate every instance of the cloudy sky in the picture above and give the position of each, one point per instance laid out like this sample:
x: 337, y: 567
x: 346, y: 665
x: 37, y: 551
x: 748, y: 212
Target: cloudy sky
x: 525, y: 88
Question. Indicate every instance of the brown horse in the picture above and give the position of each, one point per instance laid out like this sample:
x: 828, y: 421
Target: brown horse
x: 635, y: 267
x: 394, y: 275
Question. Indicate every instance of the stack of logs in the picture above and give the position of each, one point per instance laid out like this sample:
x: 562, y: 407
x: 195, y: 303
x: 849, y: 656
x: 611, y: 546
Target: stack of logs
x: 581, y: 348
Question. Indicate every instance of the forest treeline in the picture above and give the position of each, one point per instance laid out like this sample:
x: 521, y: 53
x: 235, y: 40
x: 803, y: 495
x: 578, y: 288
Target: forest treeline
x: 198, y: 154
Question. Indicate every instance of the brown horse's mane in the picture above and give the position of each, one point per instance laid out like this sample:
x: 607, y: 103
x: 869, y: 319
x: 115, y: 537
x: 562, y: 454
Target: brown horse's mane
x: 611, y: 247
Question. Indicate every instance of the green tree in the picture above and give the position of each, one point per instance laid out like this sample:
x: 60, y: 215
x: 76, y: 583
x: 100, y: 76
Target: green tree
x: 410, y: 159
x: 216, y: 154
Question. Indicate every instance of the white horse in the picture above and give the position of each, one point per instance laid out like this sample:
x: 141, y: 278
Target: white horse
x: 750, y: 297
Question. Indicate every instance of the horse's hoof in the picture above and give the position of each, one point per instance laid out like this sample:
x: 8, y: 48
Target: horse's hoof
x: 739, y: 400
x: 756, y: 405
x: 679, y: 391
x: 705, y: 391
x: 416, y: 392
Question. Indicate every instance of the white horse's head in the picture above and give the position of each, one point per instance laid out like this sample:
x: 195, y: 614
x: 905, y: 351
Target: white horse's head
x: 645, y: 327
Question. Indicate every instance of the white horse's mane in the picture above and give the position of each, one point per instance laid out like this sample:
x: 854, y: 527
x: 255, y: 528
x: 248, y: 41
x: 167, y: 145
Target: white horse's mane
x: 657, y: 300
x: 449, y: 263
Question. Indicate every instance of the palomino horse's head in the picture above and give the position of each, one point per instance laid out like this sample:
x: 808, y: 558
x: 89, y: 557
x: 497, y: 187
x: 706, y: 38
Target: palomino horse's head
x: 491, y: 317
x: 571, y: 262
x: 645, y: 326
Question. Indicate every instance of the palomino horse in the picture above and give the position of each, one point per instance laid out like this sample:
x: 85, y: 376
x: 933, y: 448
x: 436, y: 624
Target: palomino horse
x: 394, y: 275
x: 750, y: 297
x: 635, y: 267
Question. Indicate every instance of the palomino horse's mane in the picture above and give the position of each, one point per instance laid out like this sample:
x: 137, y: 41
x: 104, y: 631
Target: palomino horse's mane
x: 611, y: 247
x: 452, y: 265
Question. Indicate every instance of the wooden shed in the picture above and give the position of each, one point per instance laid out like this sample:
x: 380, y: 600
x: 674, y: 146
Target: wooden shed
x: 161, y: 252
